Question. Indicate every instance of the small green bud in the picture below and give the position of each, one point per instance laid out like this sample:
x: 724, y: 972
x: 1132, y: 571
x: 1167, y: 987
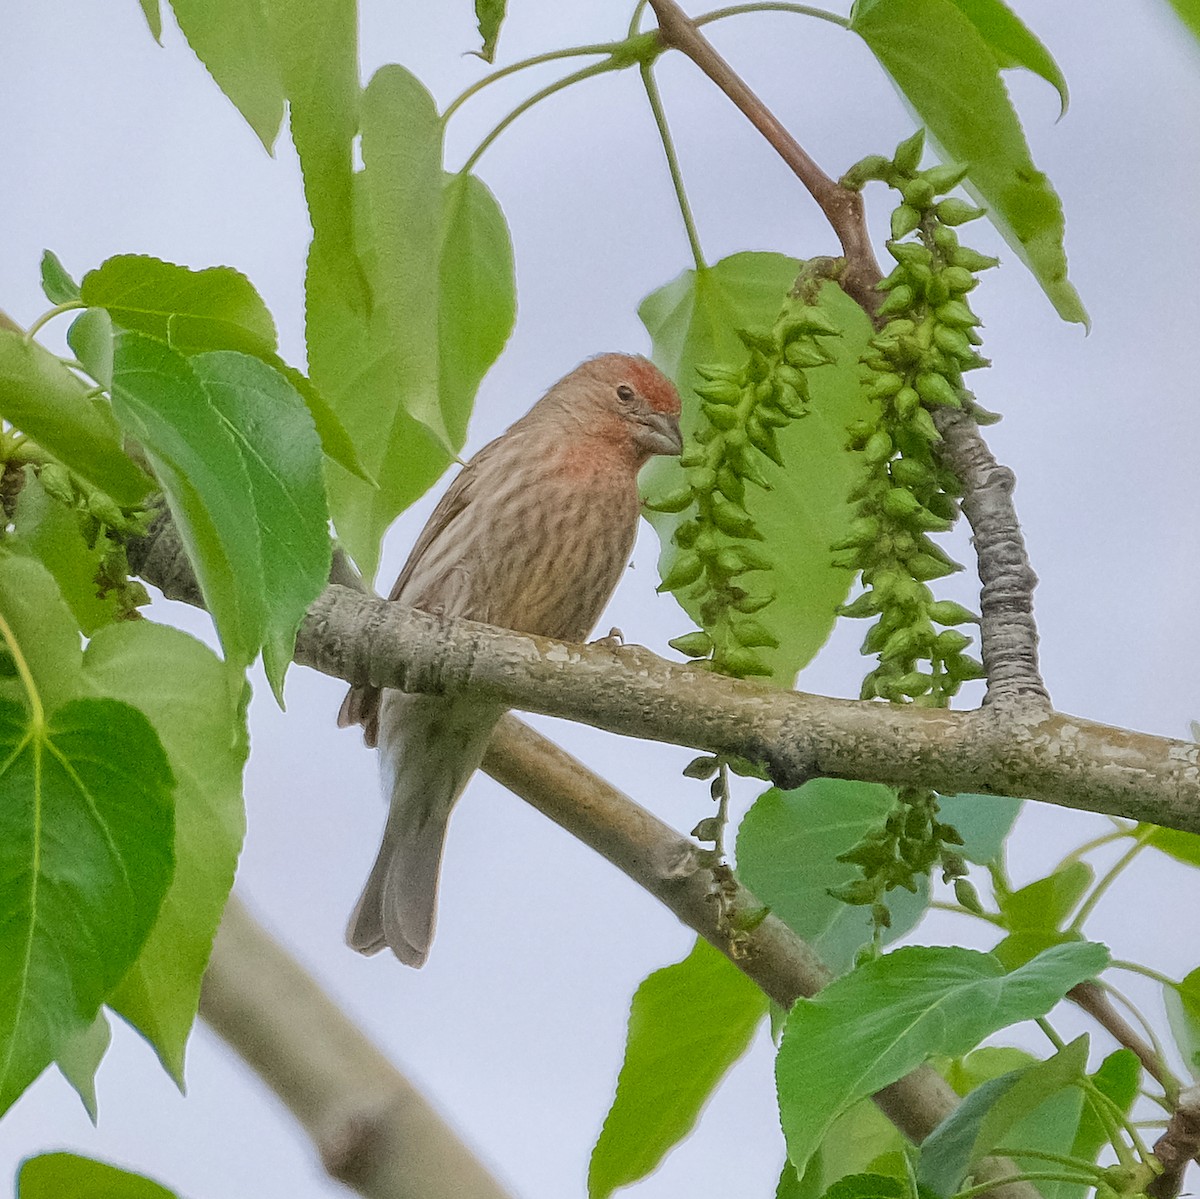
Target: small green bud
x: 934, y: 389
x: 743, y: 663
x: 673, y: 501
x: 805, y: 352
x: 959, y: 279
x: 693, y: 456
x: 905, y: 219
x: 753, y: 633
x: 708, y: 829
x: 952, y: 341
x: 937, y: 291
x: 693, y: 645
x: 719, y: 415
x: 898, y: 274
x: 789, y: 400
x: 731, y: 485
x: 56, y: 482
x: 758, y: 339
x: 105, y: 509
x: 858, y: 892
x: 926, y: 567
x: 686, y: 533
x: 967, y: 896
x: 945, y: 176
x: 866, y: 170
x: 899, y: 300
x: 914, y: 683
x: 943, y: 505
x: 953, y: 211
x: 957, y: 315
x: 810, y: 319
x: 945, y: 238
x: 905, y: 644
x: 764, y: 440
x: 929, y: 521
x: 906, y: 402
x: 950, y: 641
x: 714, y: 373
x: 753, y: 603
x: 900, y: 503
x: 859, y: 432
x: 885, y: 386
x: 963, y: 667
x: 734, y: 520
x: 908, y: 153
x: 917, y: 192
x: 867, y: 604
x: 922, y: 424
x: 684, y: 571
x: 908, y: 472
x: 719, y: 392
x: 910, y: 253
x: 947, y: 612
x: 753, y: 558
x: 972, y: 260
x: 789, y: 376
x: 702, y: 479
x: 879, y: 448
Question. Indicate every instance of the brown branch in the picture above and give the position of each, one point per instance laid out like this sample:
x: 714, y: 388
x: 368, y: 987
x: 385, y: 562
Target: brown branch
x: 1091, y: 998
x: 842, y: 207
x: 1178, y: 1146
x: 373, y: 1130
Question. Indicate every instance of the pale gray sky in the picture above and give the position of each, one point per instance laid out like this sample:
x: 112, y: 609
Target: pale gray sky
x: 516, y: 1026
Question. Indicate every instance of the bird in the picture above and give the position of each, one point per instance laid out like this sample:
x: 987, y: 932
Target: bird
x: 532, y: 535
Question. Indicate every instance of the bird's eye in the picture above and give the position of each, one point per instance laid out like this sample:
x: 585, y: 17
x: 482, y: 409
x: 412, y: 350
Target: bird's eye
x: 625, y: 393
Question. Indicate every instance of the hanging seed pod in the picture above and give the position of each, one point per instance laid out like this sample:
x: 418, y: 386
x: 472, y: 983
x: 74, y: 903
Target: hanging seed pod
x: 953, y: 211
x: 673, y: 501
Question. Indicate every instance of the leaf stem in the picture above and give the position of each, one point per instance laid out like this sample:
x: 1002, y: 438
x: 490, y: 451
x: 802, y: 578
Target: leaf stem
x: 598, y: 68
x: 668, y: 145
x: 1107, y: 879
x: 1117, y: 834
x: 606, y: 48
x: 1061, y: 1159
x: 940, y: 905
x: 1146, y: 971
x: 36, y: 711
x: 1027, y: 1176
x: 806, y: 10
x: 49, y: 315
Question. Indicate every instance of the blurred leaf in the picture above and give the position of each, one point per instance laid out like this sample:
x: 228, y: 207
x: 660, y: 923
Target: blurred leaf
x: 694, y: 320
x: 1188, y: 12
x: 490, y: 14
x: 91, y: 340
x: 85, y: 836
x: 57, y: 284
x: 49, y: 403
x: 231, y: 38
x: 272, y: 428
x: 1013, y: 44
x: 688, y: 1024
x: 1036, y: 914
x: 213, y: 309
x: 949, y: 74
x: 160, y: 401
x: 1183, y: 1015
x: 198, y: 711
x: 45, y: 530
x: 990, y: 1113
x: 80, y: 1057
x: 478, y: 295
x: 1117, y: 1078
x: 871, y: 1027
x: 984, y: 822
x: 867, y: 1186
x: 786, y: 850
x: 67, y: 1176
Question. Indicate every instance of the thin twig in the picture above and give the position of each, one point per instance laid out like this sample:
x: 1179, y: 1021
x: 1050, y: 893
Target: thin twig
x: 843, y: 208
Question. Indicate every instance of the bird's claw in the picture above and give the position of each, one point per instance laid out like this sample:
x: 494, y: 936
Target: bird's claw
x: 615, y: 640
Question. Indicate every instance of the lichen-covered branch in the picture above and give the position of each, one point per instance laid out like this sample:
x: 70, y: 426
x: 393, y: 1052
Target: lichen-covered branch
x: 1178, y: 1146
x: 373, y: 1129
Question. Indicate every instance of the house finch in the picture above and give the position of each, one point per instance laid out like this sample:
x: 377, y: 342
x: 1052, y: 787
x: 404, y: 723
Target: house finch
x: 532, y: 536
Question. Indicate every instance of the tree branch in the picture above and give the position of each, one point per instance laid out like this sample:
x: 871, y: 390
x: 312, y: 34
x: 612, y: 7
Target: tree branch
x: 373, y: 1130
x: 1178, y: 1146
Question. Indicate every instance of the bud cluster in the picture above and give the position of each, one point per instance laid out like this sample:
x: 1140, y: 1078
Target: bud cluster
x: 741, y: 411
x: 915, y: 366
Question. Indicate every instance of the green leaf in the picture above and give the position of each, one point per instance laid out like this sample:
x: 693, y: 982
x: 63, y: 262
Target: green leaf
x: 153, y: 15
x: 1183, y: 847
x: 45, y: 530
x: 316, y: 48
x: 85, y: 858
x: 1188, y: 12
x: 79, y: 1059
x: 983, y: 820
x: 490, y: 15
x: 694, y: 321
x: 46, y: 401
x: 213, y: 309
x: 870, y: 1028
x: 1013, y: 44
x: 1117, y: 1078
x: 478, y: 295
x: 57, y: 284
x: 68, y: 1176
x: 787, y: 847
x: 989, y: 1114
x: 689, y: 1023
x: 231, y: 38
x: 335, y: 441
x: 867, y: 1186
x: 91, y: 340
x: 1183, y: 1015
x: 197, y: 709
x: 272, y: 428
x: 949, y: 74
x: 160, y: 401
x: 1035, y: 915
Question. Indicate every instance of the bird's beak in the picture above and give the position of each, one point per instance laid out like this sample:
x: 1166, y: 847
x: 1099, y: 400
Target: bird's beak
x: 659, y: 433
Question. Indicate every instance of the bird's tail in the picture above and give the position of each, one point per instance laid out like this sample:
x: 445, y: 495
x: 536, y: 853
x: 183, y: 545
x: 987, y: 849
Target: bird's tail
x: 429, y: 748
